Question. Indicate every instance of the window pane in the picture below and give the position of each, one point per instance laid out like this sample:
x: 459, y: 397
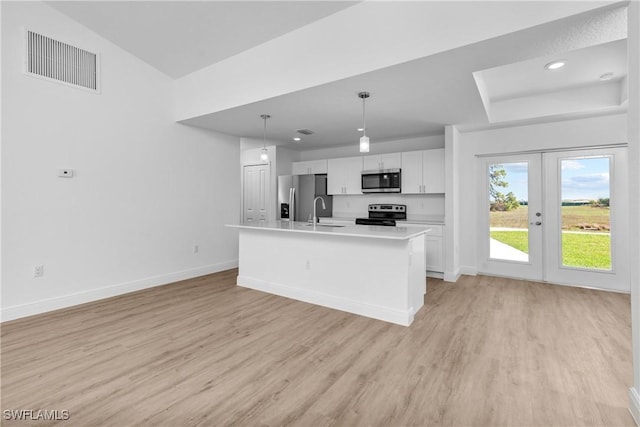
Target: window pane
x: 586, y: 215
x: 508, y: 205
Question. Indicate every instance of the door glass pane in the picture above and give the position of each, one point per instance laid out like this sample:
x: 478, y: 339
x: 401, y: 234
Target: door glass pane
x: 586, y: 218
x: 508, y: 211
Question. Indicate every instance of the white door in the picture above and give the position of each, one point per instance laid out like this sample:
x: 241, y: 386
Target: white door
x: 511, y: 217
x: 586, y: 241
x: 559, y: 217
x: 256, y: 191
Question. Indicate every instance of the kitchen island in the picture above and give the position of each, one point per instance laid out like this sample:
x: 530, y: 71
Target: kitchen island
x: 372, y: 271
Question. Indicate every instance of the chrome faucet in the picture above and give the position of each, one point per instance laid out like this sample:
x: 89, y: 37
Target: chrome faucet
x: 315, y: 217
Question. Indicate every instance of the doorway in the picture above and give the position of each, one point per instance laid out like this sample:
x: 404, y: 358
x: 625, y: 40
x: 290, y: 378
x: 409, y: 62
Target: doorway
x: 559, y: 217
x: 256, y: 193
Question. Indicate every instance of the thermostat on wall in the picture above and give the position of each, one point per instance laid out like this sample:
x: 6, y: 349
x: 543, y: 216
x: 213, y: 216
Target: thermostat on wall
x: 65, y: 173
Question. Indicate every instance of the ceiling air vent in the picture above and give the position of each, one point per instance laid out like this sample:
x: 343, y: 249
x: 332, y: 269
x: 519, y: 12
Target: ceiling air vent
x: 305, y: 131
x: 59, y: 61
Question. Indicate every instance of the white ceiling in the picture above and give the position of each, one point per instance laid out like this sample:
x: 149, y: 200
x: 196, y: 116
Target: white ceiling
x: 179, y: 37
x: 527, y: 90
x: 412, y: 99
x: 583, y: 67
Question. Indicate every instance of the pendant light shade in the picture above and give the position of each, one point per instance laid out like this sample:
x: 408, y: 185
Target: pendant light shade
x: 364, y: 139
x: 264, y: 154
x: 364, y: 144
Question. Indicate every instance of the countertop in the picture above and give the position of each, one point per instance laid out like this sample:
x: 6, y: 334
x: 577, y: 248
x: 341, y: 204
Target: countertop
x: 351, y: 230
x: 434, y: 219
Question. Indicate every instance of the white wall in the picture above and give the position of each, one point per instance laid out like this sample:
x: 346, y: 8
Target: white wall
x: 409, y: 144
x: 146, y: 189
x: 452, y: 239
x: 633, y: 50
x: 419, y: 206
x: 565, y: 134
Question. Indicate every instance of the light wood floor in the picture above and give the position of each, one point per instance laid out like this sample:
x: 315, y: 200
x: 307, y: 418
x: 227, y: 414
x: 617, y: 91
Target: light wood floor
x: 483, y: 352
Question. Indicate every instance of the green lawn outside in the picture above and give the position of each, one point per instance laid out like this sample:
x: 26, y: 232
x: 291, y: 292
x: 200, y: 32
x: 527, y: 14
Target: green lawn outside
x: 588, y: 250
x: 573, y: 218
x: 515, y: 239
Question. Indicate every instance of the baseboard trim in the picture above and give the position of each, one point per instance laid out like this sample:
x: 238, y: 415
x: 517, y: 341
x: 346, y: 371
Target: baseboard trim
x: 571, y: 285
x: 468, y: 271
x: 634, y: 404
x: 452, y: 276
x: 435, y: 274
x: 43, y: 306
x: 398, y: 317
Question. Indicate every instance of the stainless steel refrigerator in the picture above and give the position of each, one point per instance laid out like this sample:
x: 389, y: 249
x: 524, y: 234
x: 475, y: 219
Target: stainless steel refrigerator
x: 296, y: 194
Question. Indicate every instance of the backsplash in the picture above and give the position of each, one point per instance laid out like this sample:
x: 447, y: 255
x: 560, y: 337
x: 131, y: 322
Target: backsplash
x: 419, y: 206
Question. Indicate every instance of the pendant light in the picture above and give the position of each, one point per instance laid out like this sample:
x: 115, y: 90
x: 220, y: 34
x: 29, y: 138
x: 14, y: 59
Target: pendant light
x: 264, y: 154
x: 364, y: 139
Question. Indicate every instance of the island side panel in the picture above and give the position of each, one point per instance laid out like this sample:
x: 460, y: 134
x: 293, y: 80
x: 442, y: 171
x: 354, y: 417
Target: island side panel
x: 365, y: 276
x: 417, y: 276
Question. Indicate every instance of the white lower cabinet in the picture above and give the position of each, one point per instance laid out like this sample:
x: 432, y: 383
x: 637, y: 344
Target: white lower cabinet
x: 433, y: 252
x: 433, y: 247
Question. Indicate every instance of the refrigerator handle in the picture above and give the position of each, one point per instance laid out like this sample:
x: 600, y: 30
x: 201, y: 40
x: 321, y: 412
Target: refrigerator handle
x: 292, y: 204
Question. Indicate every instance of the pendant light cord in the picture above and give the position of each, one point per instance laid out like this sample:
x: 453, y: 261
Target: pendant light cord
x: 364, y: 120
x: 264, y: 134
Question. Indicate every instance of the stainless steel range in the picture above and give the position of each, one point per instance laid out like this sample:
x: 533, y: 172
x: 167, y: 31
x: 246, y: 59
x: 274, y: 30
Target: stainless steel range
x: 384, y: 214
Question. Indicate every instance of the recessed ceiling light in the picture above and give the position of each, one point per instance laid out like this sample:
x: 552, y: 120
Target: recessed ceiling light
x: 359, y: 129
x: 296, y: 139
x: 606, y: 76
x: 555, y: 65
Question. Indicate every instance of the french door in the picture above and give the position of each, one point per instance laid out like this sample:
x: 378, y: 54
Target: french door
x: 511, y: 203
x: 559, y: 217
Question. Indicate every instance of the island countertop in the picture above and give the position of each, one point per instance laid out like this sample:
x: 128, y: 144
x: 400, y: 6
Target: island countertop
x: 350, y: 230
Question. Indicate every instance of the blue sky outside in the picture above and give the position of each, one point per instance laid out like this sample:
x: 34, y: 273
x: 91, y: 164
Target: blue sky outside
x: 582, y: 179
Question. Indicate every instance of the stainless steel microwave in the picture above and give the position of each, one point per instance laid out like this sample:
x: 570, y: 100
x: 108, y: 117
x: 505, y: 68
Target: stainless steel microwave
x: 381, y: 181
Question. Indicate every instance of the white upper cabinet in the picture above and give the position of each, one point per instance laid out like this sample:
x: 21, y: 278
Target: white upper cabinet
x: 382, y: 161
x: 433, y: 170
x: 309, y: 167
x: 344, y: 175
x: 411, y: 179
x: 423, y: 171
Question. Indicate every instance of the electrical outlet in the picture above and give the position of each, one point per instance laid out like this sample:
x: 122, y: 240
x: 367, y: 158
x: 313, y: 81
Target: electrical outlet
x: 38, y: 271
x: 196, y: 249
